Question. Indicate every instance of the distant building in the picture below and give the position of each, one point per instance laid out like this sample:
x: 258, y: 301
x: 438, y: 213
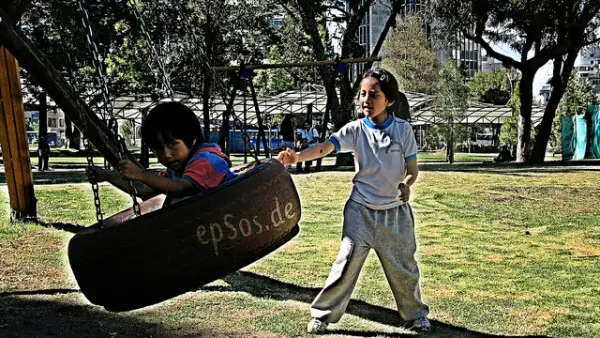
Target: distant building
x: 56, y: 127
x: 589, y: 67
x: 467, y: 54
x: 544, y: 94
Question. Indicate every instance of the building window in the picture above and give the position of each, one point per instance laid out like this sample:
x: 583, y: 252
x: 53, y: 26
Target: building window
x: 52, y: 123
x: 61, y: 123
x: 276, y: 22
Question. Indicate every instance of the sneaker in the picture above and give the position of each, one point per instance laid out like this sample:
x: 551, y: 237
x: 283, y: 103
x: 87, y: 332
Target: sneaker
x: 421, y: 325
x: 316, y: 326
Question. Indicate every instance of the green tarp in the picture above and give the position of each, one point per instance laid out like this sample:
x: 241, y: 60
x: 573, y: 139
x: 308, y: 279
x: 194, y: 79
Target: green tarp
x: 581, y: 135
x: 568, y: 146
x: 574, y: 132
x: 594, y: 118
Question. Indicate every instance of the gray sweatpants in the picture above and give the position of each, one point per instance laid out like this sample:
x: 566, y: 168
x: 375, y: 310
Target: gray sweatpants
x: 391, y: 234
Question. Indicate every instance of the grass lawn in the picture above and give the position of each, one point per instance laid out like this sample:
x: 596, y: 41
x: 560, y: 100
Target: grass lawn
x: 508, y: 253
x: 69, y: 162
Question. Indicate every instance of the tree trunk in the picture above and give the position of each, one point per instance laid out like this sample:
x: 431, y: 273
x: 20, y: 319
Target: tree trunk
x: 526, y: 96
x: 43, y: 128
x: 450, y: 146
x: 72, y: 135
x: 559, y: 86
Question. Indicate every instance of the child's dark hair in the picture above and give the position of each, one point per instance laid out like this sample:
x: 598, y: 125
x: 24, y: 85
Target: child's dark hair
x: 389, y: 87
x: 170, y: 121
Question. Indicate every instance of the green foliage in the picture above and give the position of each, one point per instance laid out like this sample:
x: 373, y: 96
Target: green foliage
x: 509, y: 130
x: 214, y: 32
x: 30, y: 125
x: 56, y: 28
x: 292, y: 45
x: 491, y: 87
x: 277, y: 80
x: 451, y: 106
x: 578, y: 95
x: 127, y: 129
x: 410, y: 58
x: 510, y: 127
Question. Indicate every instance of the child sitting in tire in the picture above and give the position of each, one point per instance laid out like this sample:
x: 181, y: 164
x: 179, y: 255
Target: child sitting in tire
x: 173, y: 132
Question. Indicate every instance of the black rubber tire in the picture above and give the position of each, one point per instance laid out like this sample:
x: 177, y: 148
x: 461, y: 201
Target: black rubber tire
x: 170, y: 251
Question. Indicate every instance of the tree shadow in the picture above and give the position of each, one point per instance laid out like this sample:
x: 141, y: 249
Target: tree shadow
x: 265, y: 287
x: 512, y: 168
x: 22, y: 315
x: 507, y: 168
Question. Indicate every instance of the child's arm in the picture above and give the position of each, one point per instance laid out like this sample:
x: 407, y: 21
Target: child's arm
x: 161, y: 185
x: 103, y: 175
x: 289, y: 157
x: 412, y: 172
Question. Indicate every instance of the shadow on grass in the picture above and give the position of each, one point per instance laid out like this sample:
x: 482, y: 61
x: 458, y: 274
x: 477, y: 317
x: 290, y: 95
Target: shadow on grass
x: 512, y: 168
x: 23, y: 316
x: 492, y: 168
x: 265, y: 287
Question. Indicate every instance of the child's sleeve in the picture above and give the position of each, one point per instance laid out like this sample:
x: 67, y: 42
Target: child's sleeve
x: 204, y: 175
x: 410, y: 144
x: 344, y: 139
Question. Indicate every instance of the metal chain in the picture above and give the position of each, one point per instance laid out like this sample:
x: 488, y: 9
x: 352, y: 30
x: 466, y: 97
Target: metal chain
x: 213, y: 74
x: 101, y: 78
x: 137, y: 210
x: 90, y: 160
x: 93, y: 182
x: 148, y: 40
x: 108, y: 105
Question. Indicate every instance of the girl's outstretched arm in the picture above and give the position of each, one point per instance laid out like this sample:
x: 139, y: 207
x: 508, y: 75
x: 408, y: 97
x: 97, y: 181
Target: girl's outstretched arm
x: 289, y: 157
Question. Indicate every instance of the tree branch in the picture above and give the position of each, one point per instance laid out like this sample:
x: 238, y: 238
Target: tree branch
x: 291, y: 13
x: 506, y: 60
x: 359, y: 16
x: 391, y: 21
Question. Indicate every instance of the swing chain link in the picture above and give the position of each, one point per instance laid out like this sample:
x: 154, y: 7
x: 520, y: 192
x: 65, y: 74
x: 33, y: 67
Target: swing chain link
x: 137, y: 210
x: 90, y: 160
x: 93, y: 182
x: 108, y: 110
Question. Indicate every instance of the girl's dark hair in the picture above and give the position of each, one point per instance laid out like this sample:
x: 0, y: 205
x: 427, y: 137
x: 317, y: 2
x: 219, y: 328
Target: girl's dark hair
x: 389, y: 87
x: 170, y: 121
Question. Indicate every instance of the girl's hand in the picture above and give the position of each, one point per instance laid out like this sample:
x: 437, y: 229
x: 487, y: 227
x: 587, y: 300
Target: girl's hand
x: 97, y: 174
x: 404, y: 191
x: 129, y: 171
x: 287, y: 157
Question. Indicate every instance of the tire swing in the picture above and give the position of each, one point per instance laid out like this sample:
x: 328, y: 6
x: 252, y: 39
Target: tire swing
x: 129, y: 263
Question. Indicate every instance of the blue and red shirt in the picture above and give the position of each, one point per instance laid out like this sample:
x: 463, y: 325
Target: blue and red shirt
x: 206, y: 169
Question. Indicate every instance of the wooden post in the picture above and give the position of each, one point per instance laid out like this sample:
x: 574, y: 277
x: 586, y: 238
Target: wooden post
x: 13, y: 140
